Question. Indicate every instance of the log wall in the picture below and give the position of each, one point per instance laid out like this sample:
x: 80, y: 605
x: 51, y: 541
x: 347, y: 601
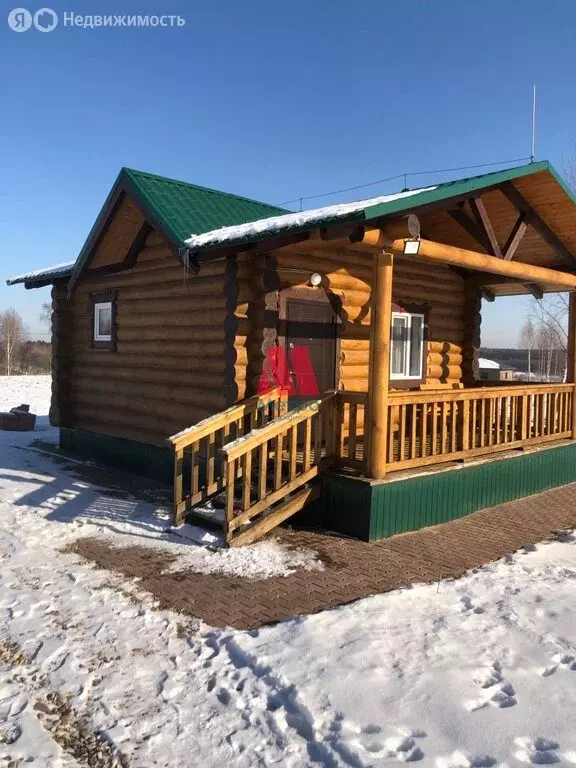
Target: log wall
x: 170, y: 366
x: 447, y: 296
x: 61, y: 356
x: 190, y: 345
x: 453, y: 312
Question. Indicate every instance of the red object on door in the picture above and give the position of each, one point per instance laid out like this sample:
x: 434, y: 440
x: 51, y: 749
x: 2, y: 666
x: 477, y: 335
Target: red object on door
x: 276, y: 372
x: 304, y: 371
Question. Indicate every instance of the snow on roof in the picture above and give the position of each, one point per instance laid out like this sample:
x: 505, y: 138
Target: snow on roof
x: 288, y: 221
x: 57, y: 270
x: 484, y: 363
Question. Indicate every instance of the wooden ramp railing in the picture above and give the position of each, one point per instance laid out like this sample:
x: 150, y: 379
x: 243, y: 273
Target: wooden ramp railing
x: 198, y: 469
x: 269, y: 471
x: 437, y: 426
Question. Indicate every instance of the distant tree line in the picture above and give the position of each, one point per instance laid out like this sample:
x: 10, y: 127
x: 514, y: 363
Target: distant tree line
x: 18, y: 354
x: 536, y: 364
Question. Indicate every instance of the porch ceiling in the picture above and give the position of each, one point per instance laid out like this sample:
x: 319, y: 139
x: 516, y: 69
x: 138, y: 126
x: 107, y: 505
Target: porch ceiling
x: 547, y: 199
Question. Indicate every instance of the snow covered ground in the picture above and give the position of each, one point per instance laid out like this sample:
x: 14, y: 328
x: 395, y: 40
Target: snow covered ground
x: 479, y: 671
x: 87, y: 511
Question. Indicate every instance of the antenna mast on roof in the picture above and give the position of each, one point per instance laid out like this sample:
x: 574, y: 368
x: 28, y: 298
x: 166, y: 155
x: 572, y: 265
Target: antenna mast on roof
x: 532, y: 146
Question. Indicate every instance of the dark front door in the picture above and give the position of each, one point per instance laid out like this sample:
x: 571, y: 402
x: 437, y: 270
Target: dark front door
x: 311, y: 330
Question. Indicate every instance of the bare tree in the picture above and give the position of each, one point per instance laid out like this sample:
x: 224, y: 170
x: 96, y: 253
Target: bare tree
x: 12, y: 335
x: 549, y: 316
x: 528, y: 341
x: 548, y: 343
x: 46, y: 314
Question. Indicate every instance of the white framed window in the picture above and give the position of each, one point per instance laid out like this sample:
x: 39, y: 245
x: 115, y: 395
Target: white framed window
x: 103, y: 321
x: 407, y: 346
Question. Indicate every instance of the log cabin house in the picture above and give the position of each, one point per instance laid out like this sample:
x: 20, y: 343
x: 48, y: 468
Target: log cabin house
x: 279, y: 360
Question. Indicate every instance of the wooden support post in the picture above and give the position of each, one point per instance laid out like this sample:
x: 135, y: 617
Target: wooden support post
x: 379, y: 376
x: 179, y: 505
x: 571, y: 356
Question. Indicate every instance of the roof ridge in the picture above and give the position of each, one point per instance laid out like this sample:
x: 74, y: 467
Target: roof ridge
x: 211, y: 190
x: 538, y: 165
x: 366, y: 209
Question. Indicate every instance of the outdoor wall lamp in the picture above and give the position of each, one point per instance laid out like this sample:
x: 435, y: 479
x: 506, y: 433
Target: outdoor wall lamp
x: 412, y: 244
x: 315, y: 279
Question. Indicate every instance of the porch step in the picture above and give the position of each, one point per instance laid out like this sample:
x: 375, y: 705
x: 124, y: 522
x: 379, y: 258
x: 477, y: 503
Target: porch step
x: 211, y: 509
x: 275, y: 515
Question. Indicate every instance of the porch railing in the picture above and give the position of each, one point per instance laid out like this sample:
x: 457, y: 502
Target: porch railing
x: 351, y: 413
x: 264, y: 458
x: 429, y: 427
x: 275, y: 465
x: 434, y: 426
x: 198, y: 470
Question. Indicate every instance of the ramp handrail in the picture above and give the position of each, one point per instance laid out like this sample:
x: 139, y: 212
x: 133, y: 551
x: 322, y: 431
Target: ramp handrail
x: 196, y: 448
x: 274, y: 461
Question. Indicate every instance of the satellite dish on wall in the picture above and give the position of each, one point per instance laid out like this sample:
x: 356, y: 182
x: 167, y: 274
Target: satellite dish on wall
x: 414, y: 225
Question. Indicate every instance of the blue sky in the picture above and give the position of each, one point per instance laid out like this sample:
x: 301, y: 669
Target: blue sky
x: 273, y: 101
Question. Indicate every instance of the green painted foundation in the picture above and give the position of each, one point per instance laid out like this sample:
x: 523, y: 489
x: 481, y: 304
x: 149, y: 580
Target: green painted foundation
x: 372, y: 511
x: 151, y: 461
x: 365, y: 510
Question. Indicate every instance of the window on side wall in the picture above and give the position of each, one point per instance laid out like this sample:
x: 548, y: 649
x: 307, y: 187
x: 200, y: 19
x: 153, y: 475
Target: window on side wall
x: 103, y: 321
x: 407, y: 347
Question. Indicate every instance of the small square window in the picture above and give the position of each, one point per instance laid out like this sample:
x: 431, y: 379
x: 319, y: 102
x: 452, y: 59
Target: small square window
x: 103, y: 321
x: 103, y: 334
x: 407, y: 346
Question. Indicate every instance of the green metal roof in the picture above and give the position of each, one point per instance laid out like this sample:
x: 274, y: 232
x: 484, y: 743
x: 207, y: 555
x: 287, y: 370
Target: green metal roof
x: 204, y: 219
x: 177, y: 209
x: 174, y: 208
x: 365, y: 210
x: 184, y: 208
x: 461, y: 187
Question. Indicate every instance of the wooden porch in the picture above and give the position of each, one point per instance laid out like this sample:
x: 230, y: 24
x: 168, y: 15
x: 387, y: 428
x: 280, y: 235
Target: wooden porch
x: 264, y: 460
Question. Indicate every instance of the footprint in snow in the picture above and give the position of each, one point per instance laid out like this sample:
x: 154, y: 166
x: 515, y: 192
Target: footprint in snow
x: 498, y: 692
x: 209, y: 651
x: 485, y: 677
x: 469, y: 607
x: 503, y: 697
x: 559, y: 661
x: 538, y: 751
x: 223, y: 696
x: 567, y: 537
x: 10, y: 733
x: 403, y: 748
x: 371, y: 728
x: 31, y: 648
x: 527, y: 548
x: 460, y: 759
x: 161, y: 683
x: 12, y: 702
x: 56, y: 660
